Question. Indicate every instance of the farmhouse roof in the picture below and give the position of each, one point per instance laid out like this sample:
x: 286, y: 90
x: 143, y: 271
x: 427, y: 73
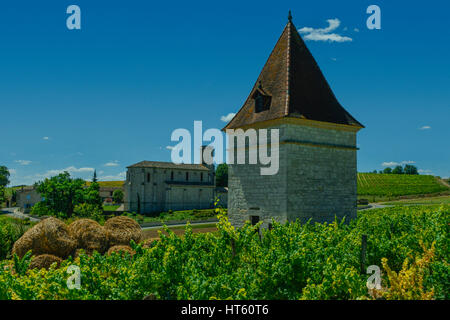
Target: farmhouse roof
x: 169, y: 165
x: 297, y: 87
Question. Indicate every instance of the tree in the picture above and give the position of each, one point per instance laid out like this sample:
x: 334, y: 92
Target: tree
x: 222, y: 175
x: 387, y: 170
x: 4, y: 176
x: 118, y: 196
x: 410, y: 169
x: 61, y: 194
x: 2, y: 195
x: 92, y: 193
x: 398, y: 170
x: 374, y: 171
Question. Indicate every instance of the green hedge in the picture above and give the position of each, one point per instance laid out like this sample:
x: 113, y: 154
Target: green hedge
x: 292, y: 261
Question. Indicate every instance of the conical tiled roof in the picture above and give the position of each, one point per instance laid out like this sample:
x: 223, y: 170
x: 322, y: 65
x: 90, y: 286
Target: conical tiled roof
x: 297, y: 87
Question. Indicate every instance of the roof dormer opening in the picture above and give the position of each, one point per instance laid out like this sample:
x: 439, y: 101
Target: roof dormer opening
x: 262, y: 101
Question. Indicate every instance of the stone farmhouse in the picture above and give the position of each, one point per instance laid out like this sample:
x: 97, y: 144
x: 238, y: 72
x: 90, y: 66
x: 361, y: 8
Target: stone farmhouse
x: 317, y: 143
x: 27, y: 197
x: 153, y: 186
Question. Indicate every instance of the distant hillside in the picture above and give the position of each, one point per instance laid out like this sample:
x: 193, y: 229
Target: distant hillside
x: 108, y: 183
x: 375, y: 184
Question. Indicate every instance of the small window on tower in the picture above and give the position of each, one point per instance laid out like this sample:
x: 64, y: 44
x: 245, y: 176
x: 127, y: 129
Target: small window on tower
x: 187, y: 176
x: 201, y: 176
x: 171, y: 175
x: 148, y: 177
x: 262, y: 102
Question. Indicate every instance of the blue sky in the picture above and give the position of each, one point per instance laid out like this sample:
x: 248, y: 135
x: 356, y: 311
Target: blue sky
x: 110, y: 95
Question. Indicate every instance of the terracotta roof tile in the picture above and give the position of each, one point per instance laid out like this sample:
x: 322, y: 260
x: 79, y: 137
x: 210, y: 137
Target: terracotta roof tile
x: 298, y: 88
x: 169, y: 165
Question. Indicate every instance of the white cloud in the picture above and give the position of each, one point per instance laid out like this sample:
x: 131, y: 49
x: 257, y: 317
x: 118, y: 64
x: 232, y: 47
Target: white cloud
x: 72, y: 170
x: 393, y: 163
x: 425, y: 128
x: 390, y: 164
x: 425, y: 171
x: 23, y: 162
x: 334, y: 59
x: 356, y: 30
x: 114, y: 163
x: 12, y: 171
x: 324, y: 34
x: 45, y: 138
x: 170, y: 147
x: 228, y: 117
x: 119, y: 176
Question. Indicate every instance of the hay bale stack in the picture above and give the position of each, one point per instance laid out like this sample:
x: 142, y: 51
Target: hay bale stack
x: 121, y: 249
x: 50, y: 236
x: 89, y: 235
x: 122, y: 230
x: 44, y: 261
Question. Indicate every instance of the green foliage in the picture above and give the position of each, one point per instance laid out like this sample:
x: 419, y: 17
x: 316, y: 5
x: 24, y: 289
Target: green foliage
x: 398, y: 170
x: 88, y: 210
x: 4, y: 176
x: 387, y: 170
x: 397, y: 185
x: 92, y: 195
x: 222, y: 175
x: 292, y: 261
x: 11, y: 229
x: 21, y: 264
x: 118, y: 196
x: 61, y: 193
x: 410, y: 169
x: 2, y: 195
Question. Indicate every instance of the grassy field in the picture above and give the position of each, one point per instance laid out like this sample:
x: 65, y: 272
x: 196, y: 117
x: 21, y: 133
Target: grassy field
x: 393, y: 185
x: 111, y: 207
x: 421, y: 201
x: 190, y: 215
x: 108, y: 183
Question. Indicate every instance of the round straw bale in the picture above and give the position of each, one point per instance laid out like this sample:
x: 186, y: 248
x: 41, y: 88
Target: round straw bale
x: 44, y: 261
x: 50, y: 236
x: 122, y: 230
x: 90, y: 235
x: 121, y: 249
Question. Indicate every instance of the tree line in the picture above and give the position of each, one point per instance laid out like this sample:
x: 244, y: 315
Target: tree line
x: 407, y: 169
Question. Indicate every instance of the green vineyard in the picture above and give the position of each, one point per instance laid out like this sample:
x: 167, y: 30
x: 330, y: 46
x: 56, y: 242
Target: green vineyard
x: 375, y: 184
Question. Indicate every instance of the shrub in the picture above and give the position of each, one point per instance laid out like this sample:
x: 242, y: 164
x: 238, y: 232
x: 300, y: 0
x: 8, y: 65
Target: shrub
x: 10, y: 231
x: 291, y: 261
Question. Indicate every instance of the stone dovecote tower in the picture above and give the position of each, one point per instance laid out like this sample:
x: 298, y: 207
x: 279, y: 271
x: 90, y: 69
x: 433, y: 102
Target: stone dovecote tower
x: 317, y: 151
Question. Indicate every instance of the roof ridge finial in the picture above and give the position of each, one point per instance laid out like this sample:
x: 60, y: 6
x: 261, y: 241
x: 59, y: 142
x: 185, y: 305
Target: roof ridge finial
x: 290, y: 16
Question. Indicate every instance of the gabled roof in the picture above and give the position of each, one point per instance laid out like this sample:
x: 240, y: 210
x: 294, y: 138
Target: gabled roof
x: 169, y: 165
x: 298, y: 88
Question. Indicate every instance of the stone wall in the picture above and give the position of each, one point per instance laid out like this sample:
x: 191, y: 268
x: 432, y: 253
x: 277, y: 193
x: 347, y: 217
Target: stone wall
x: 161, y: 193
x: 27, y: 198
x: 316, y: 179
